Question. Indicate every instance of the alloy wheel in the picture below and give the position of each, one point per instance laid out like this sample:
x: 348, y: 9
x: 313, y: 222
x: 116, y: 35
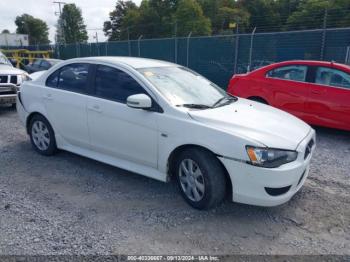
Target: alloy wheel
x: 191, y: 180
x: 41, y: 135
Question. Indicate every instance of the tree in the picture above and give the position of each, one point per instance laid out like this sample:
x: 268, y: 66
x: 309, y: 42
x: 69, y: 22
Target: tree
x: 224, y: 13
x: 113, y: 27
x: 36, y: 29
x: 310, y: 14
x: 5, y: 31
x: 190, y: 18
x: 71, y: 24
x: 263, y: 14
x: 154, y: 18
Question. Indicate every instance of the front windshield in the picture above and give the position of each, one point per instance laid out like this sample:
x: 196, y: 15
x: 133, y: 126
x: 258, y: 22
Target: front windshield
x: 4, y: 60
x: 181, y: 86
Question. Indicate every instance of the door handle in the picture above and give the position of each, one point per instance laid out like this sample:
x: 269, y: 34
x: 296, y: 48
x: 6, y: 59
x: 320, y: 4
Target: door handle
x: 48, y: 97
x: 95, y: 108
x: 316, y: 92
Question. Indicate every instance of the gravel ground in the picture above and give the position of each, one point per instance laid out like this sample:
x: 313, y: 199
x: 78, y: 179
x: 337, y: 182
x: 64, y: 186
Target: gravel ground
x: 67, y: 204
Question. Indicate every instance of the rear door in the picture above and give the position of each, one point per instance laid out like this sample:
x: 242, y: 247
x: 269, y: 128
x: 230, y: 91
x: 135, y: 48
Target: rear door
x: 65, y: 99
x: 289, y: 88
x: 329, y: 99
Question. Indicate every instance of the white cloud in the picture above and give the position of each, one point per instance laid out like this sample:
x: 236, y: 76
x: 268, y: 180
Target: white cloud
x: 94, y: 13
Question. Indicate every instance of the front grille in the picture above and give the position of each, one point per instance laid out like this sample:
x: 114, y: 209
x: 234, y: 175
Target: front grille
x: 308, y: 148
x: 13, y: 80
x: 3, y: 79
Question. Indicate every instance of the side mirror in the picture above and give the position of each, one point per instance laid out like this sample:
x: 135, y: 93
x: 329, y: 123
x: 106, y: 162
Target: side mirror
x: 140, y: 101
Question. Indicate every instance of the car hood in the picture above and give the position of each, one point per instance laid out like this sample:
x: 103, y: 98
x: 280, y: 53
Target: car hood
x: 256, y: 122
x: 10, y: 70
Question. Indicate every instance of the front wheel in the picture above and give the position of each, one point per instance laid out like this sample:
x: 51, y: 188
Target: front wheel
x: 42, y: 136
x: 201, y: 178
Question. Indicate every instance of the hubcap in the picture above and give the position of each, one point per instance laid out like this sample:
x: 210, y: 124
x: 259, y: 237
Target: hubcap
x: 191, y: 180
x: 41, y: 135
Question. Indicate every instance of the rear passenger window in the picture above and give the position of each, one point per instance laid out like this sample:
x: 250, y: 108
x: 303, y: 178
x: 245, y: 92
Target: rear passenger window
x: 73, y: 77
x: 52, y: 80
x: 332, y: 77
x: 293, y: 72
x: 116, y: 85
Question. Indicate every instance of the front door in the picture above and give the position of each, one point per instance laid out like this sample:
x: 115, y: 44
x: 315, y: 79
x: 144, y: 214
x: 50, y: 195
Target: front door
x: 328, y: 102
x: 117, y: 130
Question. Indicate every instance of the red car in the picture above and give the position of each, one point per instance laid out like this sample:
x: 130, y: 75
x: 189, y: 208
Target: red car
x: 317, y: 92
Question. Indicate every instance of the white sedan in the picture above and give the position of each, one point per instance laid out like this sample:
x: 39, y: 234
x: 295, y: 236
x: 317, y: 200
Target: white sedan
x: 165, y: 121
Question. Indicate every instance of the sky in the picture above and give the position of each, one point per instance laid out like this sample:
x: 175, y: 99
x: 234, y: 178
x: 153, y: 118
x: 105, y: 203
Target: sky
x: 95, y: 12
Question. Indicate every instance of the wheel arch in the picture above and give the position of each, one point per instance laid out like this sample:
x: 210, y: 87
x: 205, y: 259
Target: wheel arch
x: 30, y: 117
x: 176, y: 152
x: 259, y: 99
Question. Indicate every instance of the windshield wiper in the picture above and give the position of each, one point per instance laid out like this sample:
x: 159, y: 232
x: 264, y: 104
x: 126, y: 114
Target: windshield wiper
x: 196, y: 106
x: 228, y: 98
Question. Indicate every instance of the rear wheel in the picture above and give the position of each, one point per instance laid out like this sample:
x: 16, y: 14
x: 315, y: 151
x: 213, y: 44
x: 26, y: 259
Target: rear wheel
x: 201, y: 178
x: 42, y: 136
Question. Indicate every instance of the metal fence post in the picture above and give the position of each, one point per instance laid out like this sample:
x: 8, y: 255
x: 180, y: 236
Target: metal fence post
x: 106, y: 48
x: 76, y: 50
x: 175, y: 39
x: 129, y: 44
x: 324, y: 34
x: 251, y: 50
x: 347, y: 56
x: 236, y: 51
x: 188, y: 48
x: 139, y: 45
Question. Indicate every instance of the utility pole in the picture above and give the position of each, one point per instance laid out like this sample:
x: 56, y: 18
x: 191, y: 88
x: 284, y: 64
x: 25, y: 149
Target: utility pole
x: 97, y: 46
x: 59, y: 13
x: 60, y: 4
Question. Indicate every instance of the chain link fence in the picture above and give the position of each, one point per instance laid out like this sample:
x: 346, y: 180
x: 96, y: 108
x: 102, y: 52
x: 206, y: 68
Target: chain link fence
x: 219, y: 57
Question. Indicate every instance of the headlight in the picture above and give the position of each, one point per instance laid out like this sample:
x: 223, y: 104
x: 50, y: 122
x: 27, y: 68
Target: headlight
x: 22, y: 78
x: 270, y: 158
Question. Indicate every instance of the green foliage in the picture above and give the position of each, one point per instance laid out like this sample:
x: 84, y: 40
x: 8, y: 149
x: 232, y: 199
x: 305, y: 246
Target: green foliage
x: 165, y: 18
x: 113, y: 27
x: 71, y: 25
x: 310, y: 14
x: 35, y: 28
x: 190, y: 18
x: 5, y: 31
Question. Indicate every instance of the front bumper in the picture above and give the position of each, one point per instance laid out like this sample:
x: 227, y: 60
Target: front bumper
x: 8, y: 93
x: 8, y: 99
x: 250, y: 183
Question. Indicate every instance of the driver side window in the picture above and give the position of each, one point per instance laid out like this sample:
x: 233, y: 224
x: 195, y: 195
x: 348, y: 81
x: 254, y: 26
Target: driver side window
x: 114, y: 84
x: 332, y: 77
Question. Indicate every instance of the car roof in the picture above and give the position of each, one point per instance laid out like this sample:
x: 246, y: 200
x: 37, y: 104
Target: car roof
x: 313, y: 63
x: 135, y: 62
x: 264, y: 69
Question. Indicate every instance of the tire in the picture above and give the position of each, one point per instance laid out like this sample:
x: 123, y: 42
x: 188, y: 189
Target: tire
x: 209, y: 182
x: 42, y: 136
x: 259, y: 100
